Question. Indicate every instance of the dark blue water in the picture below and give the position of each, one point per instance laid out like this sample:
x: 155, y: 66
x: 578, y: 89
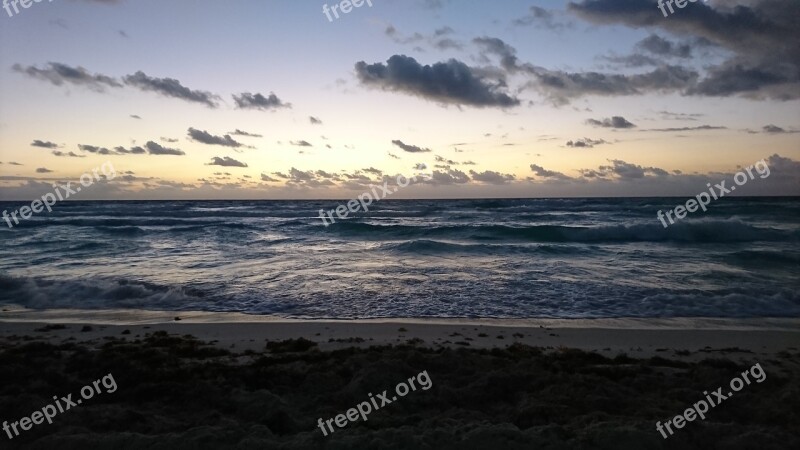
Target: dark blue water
x: 465, y: 258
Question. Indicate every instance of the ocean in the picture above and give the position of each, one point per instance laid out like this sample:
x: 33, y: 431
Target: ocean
x: 526, y: 258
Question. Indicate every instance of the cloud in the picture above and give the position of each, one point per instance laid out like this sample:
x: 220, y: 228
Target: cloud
x: 246, y: 100
x: 268, y: 179
x: 438, y: 40
x: 134, y: 116
x: 624, y: 171
x: 614, y: 122
x: 541, y: 18
x: 679, y: 116
x: 451, y: 82
x: 560, y: 87
x: 300, y: 143
x: 585, y: 143
x: 227, y: 161
x: 43, y: 170
x: 700, y: 128
x: 773, y: 129
x: 60, y: 74
x: 445, y: 160
x: 373, y: 171
x: 496, y: 46
x: 239, y: 132
x: 170, y: 87
x: 169, y: 140
x: 306, y: 178
x: 133, y: 150
x: 68, y: 154
x: 541, y: 172
x: 156, y: 149
x: 96, y: 149
x: 210, y: 139
x: 43, y: 144
x: 410, y: 148
x: 659, y: 46
x: 314, y: 120
x: 448, y: 177
x: 492, y: 177
x: 761, y: 38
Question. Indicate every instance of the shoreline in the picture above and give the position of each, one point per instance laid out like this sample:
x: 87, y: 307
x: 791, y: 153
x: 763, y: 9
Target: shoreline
x: 684, y: 338
x: 12, y: 313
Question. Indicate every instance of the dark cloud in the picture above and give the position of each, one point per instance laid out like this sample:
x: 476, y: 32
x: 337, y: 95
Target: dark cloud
x: 542, y: 18
x: 44, y: 144
x: 96, y: 149
x: 491, y: 177
x: 541, y: 172
x: 451, y: 82
x: 314, y: 120
x: 268, y: 179
x: 156, y: 149
x: 170, y: 87
x: 561, y: 87
x: 305, y: 178
x: 60, y: 74
x: 613, y: 122
x: 447, y: 177
x: 150, y: 148
x: 679, y: 116
x: 239, y: 132
x: 633, y: 60
x: 134, y: 116
x: 496, y: 46
x: 410, y: 148
x: 301, y: 143
x: 227, y: 161
x: 133, y: 150
x: 43, y: 170
x: 445, y: 161
x: 169, y: 140
x: 68, y: 154
x: 447, y: 44
x: 624, y: 171
x: 585, y: 143
x: 700, y: 128
x: 205, y: 137
x: 761, y: 35
x: 374, y: 171
x: 437, y: 40
x: 659, y: 46
x: 773, y: 129
x: 246, y: 100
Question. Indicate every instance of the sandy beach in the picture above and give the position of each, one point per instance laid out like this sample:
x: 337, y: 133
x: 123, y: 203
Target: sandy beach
x: 261, y: 382
x: 636, y: 337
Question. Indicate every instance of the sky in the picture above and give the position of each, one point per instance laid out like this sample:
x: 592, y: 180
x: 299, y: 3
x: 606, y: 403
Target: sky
x: 266, y: 99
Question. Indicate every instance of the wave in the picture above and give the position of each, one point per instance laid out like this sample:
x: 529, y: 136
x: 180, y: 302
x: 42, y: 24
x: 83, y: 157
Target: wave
x: 41, y: 293
x: 439, y: 247
x: 697, y: 232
